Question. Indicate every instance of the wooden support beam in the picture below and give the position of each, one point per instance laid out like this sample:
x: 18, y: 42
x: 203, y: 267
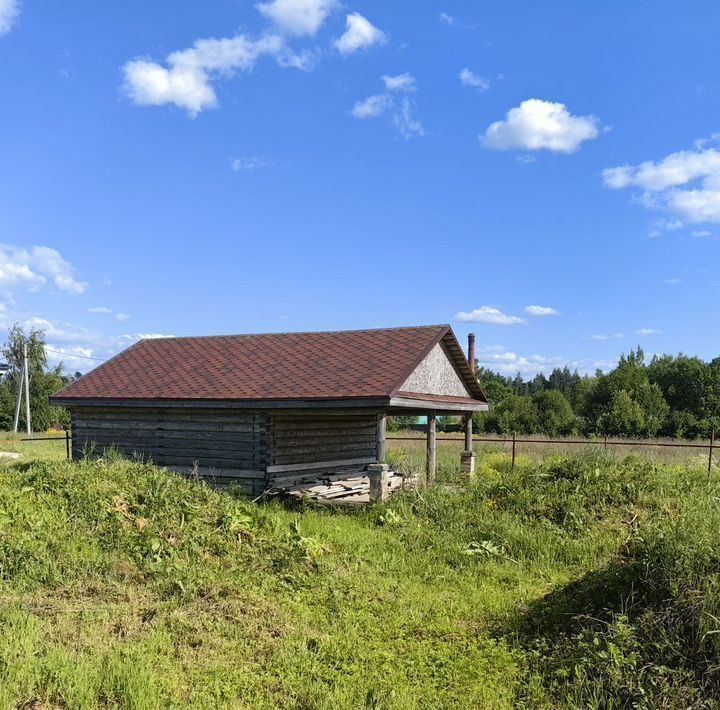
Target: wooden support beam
x: 431, y: 467
x: 381, y: 440
x: 468, y: 432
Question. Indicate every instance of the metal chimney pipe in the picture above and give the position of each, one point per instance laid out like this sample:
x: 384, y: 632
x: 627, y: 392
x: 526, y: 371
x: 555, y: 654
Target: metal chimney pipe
x: 471, y: 351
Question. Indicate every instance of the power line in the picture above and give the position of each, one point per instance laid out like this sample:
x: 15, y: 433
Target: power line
x: 86, y: 357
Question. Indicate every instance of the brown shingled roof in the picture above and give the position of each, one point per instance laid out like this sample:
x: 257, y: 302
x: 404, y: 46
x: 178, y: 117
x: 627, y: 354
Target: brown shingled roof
x: 281, y: 366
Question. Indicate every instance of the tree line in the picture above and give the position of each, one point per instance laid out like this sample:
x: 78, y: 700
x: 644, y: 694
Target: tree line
x: 671, y: 395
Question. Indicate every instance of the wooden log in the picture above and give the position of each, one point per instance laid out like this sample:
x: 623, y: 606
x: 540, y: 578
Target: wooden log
x: 200, y: 427
x: 155, y: 415
x: 224, y: 472
x: 286, y: 441
x: 431, y: 461
x: 171, y: 440
x: 318, y: 464
x: 381, y: 428
x: 159, y: 450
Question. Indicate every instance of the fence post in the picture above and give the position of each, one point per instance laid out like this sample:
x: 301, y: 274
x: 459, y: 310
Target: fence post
x: 67, y: 443
x: 513, y: 454
x: 605, y: 442
x: 712, y: 445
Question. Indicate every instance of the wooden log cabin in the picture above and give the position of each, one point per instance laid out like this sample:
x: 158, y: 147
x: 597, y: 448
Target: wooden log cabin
x: 300, y: 413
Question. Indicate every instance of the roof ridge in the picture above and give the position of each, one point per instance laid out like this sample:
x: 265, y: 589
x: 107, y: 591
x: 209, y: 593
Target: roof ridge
x: 297, y: 332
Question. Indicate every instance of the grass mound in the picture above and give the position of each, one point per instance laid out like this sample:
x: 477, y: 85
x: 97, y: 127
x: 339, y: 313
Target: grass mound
x: 579, y: 582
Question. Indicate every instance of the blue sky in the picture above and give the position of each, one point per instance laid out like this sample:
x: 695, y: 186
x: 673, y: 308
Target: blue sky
x: 179, y: 167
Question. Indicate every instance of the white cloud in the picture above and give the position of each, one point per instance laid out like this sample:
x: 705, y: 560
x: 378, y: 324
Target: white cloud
x: 610, y: 336
x: 9, y: 10
x: 76, y: 347
x: 470, y: 78
x: 525, y: 159
x: 33, y: 268
x: 702, y: 233
x: 685, y: 183
x: 446, y: 19
x: 360, y: 34
x: 104, y: 311
x: 674, y: 170
x: 297, y: 17
x: 371, y: 107
x: 250, y: 163
x: 673, y: 281
x: 507, y: 362
x: 400, y: 109
x: 489, y: 314
x: 538, y: 125
x: 186, y: 80
x: 404, y: 120
x: 646, y: 332
x: 401, y: 82
x: 540, y: 311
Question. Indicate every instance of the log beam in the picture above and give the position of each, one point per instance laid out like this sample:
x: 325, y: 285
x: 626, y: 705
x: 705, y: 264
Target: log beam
x: 431, y: 463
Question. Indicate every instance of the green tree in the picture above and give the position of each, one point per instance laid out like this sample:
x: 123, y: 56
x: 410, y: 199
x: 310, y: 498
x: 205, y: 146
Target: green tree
x: 555, y: 415
x: 516, y: 413
x: 400, y: 422
x: 624, y: 416
x: 43, y: 382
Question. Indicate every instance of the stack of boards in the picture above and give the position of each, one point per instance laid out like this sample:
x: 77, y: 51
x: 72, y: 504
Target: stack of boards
x: 345, y: 487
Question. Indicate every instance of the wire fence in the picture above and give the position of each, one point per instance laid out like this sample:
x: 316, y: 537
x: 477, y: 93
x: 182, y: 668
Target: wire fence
x: 606, y: 443
x: 67, y: 439
x: 514, y: 440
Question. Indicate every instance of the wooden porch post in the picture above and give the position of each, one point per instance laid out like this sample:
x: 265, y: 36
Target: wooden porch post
x: 381, y: 440
x: 431, y: 466
x: 467, y: 457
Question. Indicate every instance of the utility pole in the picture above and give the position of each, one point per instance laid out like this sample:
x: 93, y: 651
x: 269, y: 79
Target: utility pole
x: 28, y: 423
x: 21, y: 379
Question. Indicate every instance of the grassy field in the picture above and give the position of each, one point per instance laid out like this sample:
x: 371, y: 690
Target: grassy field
x: 589, y: 581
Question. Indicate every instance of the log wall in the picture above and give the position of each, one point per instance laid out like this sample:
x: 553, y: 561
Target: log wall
x: 322, y: 443
x: 227, y: 445
x: 257, y: 450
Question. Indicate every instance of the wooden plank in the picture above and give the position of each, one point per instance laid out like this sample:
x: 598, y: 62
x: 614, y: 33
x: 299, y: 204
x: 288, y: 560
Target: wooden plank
x: 180, y: 446
x: 283, y: 433
x: 311, y: 458
x: 313, y: 445
x: 422, y: 406
x: 224, y: 472
x: 202, y: 438
x: 153, y: 417
x: 350, y: 437
x: 319, y: 464
x: 311, y: 476
x: 172, y: 441
x: 199, y: 427
x: 329, y: 426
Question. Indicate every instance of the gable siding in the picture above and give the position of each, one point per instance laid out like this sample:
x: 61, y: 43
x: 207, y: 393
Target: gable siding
x: 436, y: 375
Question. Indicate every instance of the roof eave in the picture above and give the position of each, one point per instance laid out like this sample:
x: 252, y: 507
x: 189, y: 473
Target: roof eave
x: 320, y: 403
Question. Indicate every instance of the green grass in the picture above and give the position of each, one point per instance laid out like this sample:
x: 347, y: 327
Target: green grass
x: 576, y: 582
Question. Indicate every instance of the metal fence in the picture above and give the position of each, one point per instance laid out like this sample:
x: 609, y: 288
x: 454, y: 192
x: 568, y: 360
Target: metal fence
x: 605, y: 442
x: 514, y: 440
x: 67, y: 439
